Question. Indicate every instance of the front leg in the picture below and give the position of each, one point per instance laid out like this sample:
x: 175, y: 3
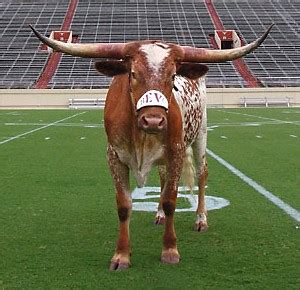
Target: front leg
x: 170, y: 253
x: 120, y: 174
x: 160, y: 216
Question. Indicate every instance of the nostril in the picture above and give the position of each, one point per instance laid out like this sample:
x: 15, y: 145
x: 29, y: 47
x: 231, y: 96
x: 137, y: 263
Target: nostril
x: 145, y: 122
x: 162, y: 122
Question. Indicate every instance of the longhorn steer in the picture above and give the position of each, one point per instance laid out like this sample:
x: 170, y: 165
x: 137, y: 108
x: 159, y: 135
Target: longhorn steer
x: 155, y: 112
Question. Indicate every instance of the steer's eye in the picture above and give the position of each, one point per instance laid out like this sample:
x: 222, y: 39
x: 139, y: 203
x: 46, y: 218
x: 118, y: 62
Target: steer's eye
x: 133, y: 75
x: 173, y: 80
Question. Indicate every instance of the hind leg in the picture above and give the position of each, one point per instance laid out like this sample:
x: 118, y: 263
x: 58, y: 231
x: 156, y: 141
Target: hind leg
x: 201, y: 220
x: 199, y: 148
x: 160, y: 216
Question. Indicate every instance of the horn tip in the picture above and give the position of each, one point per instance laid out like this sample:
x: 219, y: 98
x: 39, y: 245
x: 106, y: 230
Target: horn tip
x: 33, y: 29
x: 271, y: 26
x: 36, y: 32
x: 264, y: 36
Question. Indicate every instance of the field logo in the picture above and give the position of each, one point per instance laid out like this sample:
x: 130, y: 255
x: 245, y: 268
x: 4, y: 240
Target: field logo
x: 212, y: 202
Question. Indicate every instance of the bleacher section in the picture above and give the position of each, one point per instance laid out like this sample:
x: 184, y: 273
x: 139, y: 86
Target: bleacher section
x: 21, y: 63
x: 277, y: 62
x: 185, y: 22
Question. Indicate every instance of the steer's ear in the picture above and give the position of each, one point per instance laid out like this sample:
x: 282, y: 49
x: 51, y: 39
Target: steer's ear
x: 112, y: 67
x: 192, y: 70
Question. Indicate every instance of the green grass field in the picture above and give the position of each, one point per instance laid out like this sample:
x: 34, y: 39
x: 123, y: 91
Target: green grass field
x: 59, y: 223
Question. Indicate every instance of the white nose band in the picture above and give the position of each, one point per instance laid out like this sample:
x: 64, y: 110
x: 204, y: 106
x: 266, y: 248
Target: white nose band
x: 152, y: 98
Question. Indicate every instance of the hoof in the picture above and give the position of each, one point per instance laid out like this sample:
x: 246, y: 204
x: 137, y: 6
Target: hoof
x: 160, y: 218
x: 201, y: 223
x: 119, y: 263
x: 170, y: 256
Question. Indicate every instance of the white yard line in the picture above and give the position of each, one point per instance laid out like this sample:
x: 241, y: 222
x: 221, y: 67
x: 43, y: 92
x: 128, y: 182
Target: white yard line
x: 292, y: 212
x: 247, y: 124
x: 57, y: 125
x: 260, y: 117
x: 40, y: 128
x: 101, y: 125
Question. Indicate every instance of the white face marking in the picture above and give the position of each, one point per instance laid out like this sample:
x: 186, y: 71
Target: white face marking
x: 155, y: 54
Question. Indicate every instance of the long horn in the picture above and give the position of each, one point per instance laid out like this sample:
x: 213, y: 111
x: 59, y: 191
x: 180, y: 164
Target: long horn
x: 92, y: 50
x: 193, y: 54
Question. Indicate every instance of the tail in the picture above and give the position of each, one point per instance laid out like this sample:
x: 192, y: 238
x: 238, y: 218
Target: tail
x: 188, y: 170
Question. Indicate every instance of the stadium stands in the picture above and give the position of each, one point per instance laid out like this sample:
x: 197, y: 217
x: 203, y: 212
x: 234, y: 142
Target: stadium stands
x: 277, y: 62
x: 21, y: 63
x: 188, y: 22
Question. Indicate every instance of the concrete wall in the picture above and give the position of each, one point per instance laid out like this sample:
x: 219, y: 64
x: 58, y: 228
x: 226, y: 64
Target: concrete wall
x: 45, y: 98
x: 59, y: 98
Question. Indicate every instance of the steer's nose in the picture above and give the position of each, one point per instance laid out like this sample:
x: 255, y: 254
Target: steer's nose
x: 152, y: 123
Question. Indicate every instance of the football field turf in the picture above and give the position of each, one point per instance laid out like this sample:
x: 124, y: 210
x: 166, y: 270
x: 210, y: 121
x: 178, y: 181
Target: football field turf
x: 59, y: 222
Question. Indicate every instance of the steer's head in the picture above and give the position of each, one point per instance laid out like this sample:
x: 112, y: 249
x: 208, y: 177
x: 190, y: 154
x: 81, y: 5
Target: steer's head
x: 151, y: 67
x: 151, y: 75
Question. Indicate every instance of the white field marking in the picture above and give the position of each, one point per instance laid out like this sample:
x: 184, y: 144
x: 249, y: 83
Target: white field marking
x: 251, y: 125
x: 245, y: 124
x: 40, y: 128
x: 13, y: 113
x: 94, y: 126
x: 223, y: 137
x: 47, y: 138
x: 293, y: 136
x: 290, y: 112
x: 258, y: 136
x: 292, y: 212
x: 144, y: 193
x: 57, y: 125
x: 260, y: 117
x: 155, y: 54
x: 212, y: 126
